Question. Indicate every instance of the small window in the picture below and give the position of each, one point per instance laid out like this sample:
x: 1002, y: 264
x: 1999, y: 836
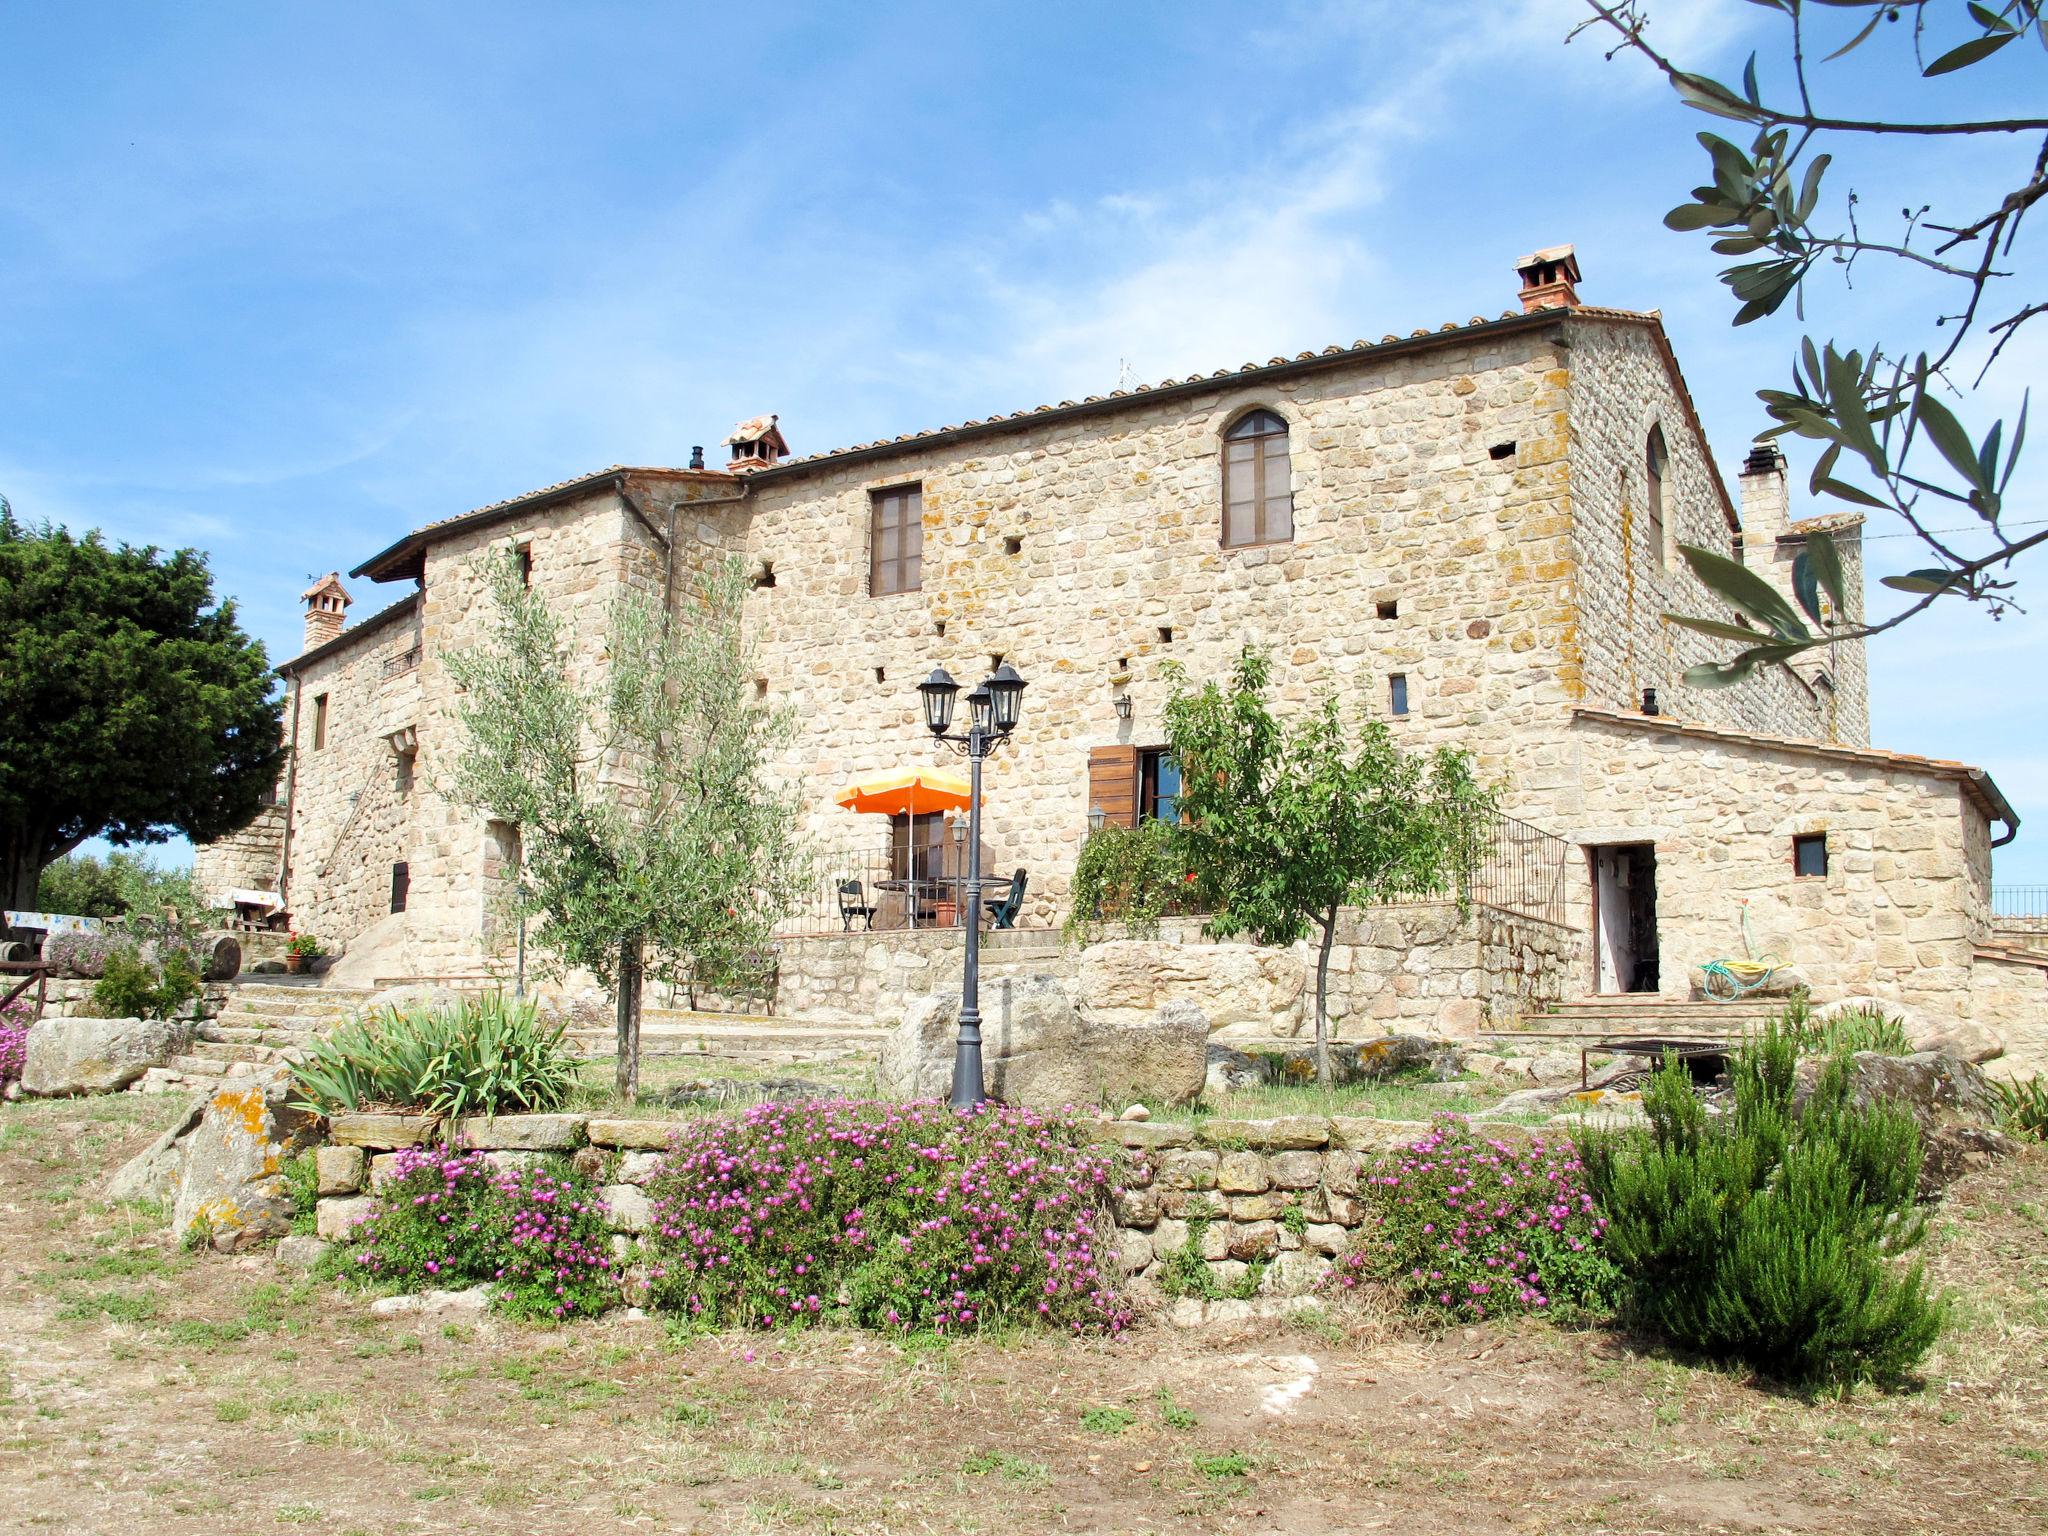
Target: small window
x: 1389, y: 610
x: 765, y: 577
x: 320, y: 723
x: 525, y: 570
x: 1810, y: 855
x: 401, y: 885
x: 1013, y: 545
x: 1166, y: 634
x: 1397, y: 693
x: 1501, y: 451
x: 1655, y: 462
x: 1258, y: 495
x: 881, y: 674
x: 1158, y: 785
x: 895, y: 540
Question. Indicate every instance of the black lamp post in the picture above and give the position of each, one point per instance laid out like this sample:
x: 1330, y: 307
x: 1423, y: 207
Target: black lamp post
x: 992, y: 710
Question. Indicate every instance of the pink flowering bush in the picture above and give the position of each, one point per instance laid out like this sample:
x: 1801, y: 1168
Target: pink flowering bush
x: 894, y: 1216
x: 14, y: 1022
x: 1478, y: 1228
x: 450, y: 1219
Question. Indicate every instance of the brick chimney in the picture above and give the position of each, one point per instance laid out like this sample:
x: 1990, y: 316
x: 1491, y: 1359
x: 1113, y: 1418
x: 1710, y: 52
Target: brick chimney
x: 326, y: 603
x: 1550, y: 279
x: 1766, y: 506
x: 756, y: 444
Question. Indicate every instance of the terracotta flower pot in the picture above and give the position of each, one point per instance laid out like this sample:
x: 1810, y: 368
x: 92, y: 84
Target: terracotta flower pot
x: 294, y: 963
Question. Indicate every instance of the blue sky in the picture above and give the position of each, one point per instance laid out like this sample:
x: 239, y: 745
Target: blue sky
x: 283, y: 282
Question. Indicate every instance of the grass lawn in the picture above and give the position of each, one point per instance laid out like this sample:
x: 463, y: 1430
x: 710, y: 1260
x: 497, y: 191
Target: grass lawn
x: 149, y: 1389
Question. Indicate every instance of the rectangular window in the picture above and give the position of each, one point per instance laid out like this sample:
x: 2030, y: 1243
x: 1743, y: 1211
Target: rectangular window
x: 320, y: 722
x: 1810, y: 854
x: 1158, y: 785
x: 1397, y: 693
x: 401, y: 885
x: 526, y: 565
x: 895, y: 540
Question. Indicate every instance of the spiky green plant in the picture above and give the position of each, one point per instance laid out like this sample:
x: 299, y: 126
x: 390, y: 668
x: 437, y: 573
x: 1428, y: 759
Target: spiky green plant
x: 481, y: 1056
x: 1772, y: 1234
x: 2024, y: 1107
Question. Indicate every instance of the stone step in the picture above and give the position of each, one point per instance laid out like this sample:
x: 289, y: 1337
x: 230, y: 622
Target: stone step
x: 242, y: 1034
x: 213, y: 1066
x: 230, y: 1050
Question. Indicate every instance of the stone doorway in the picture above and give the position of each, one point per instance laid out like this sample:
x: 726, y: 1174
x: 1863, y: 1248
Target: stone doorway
x: 1624, y: 918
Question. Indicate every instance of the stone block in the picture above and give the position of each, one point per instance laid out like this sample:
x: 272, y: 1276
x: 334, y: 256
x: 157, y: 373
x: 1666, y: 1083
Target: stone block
x: 383, y: 1169
x: 1214, y: 1242
x: 1354, y: 1133
x: 1346, y: 1210
x: 300, y: 1252
x: 632, y: 1135
x: 382, y: 1131
x: 1325, y: 1237
x: 1341, y: 1171
x: 1135, y: 1207
x: 337, y: 1218
x: 1287, y: 1133
x: 1168, y: 1237
x: 522, y: 1133
x: 1188, y: 1170
x: 637, y: 1167
x: 231, y: 1186
x: 1295, y: 1170
x: 338, y: 1170
x: 1262, y: 1207
x: 631, y: 1210
x: 1133, y: 1251
x: 1242, y: 1173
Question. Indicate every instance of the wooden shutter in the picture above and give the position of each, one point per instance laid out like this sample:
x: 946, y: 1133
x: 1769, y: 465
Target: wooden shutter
x: 1113, y: 784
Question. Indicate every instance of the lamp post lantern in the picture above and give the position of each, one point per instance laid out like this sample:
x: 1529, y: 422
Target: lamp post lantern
x: 992, y: 711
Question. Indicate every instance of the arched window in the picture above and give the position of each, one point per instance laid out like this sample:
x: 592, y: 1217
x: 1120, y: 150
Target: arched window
x: 1655, y: 462
x: 1258, y: 502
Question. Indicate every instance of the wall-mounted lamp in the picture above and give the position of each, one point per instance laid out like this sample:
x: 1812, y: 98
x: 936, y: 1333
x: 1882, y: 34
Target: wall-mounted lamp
x: 1098, y: 818
x: 1123, y: 706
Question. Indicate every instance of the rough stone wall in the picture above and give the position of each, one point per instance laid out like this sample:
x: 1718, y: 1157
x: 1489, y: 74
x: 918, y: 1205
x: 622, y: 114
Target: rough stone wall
x: 1620, y: 390
x: 350, y: 819
x: 1396, y: 499
x: 1895, y: 917
x: 2010, y: 993
x: 1839, y: 673
x: 247, y: 860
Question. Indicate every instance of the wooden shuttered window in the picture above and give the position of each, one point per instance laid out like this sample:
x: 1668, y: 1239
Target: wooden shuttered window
x: 1113, y: 784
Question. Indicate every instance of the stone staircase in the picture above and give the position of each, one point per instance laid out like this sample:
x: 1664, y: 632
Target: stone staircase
x: 751, y: 1038
x: 261, y: 1027
x: 1592, y: 1018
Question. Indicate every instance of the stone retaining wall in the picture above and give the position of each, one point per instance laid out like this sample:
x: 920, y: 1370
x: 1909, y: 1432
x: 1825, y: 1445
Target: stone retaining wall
x: 1265, y: 1205
x: 68, y: 997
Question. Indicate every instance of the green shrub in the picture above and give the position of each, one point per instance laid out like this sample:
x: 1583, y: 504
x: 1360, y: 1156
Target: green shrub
x: 1770, y: 1235
x: 131, y: 988
x: 2024, y: 1107
x: 481, y: 1056
x: 1125, y: 875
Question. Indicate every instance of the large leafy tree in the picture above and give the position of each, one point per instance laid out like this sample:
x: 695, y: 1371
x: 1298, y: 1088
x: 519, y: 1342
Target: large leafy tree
x: 1889, y: 416
x: 1284, y: 825
x: 653, y: 838
x: 132, y: 705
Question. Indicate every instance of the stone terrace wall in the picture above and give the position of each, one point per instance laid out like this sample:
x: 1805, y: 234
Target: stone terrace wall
x: 1281, y: 1193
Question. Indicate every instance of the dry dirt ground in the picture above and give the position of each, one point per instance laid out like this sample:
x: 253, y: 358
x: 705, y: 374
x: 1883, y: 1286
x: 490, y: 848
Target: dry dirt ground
x: 148, y: 1390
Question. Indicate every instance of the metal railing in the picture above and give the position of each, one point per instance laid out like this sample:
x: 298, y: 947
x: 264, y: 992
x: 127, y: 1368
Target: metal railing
x: 2019, y: 901
x: 917, y: 888
x: 1522, y: 869
x: 402, y: 663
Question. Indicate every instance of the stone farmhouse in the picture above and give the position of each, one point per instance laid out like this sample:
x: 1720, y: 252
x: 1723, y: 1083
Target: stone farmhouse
x: 1470, y: 531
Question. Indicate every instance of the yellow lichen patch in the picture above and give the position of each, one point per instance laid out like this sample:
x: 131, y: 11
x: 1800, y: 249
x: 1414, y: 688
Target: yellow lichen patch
x: 246, y: 1105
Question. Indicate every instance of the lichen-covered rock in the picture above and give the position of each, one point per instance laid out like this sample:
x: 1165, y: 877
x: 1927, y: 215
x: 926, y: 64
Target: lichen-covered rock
x: 153, y: 1173
x: 231, y: 1188
x: 67, y: 1056
x: 1951, y: 1100
x: 1040, y: 1051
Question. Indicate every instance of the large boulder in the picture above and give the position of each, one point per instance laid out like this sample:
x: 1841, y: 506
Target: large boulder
x: 231, y: 1189
x: 1952, y: 1101
x: 68, y: 1056
x: 1038, y: 1050
x: 1243, y: 986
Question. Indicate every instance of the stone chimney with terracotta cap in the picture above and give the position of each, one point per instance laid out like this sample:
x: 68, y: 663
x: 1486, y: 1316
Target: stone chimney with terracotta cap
x: 326, y: 603
x: 1550, y: 279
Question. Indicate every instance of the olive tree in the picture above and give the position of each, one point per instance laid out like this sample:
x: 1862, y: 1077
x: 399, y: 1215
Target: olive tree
x: 653, y: 838
x: 1283, y: 825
